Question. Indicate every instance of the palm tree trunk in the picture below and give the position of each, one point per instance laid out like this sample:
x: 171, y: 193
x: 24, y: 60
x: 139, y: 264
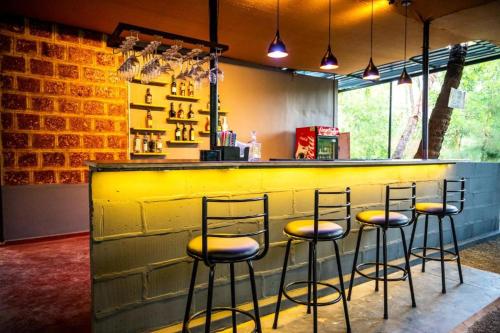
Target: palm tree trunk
x: 441, y: 114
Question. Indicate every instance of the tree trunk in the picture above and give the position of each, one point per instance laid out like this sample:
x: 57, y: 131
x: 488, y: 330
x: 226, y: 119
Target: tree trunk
x: 441, y: 114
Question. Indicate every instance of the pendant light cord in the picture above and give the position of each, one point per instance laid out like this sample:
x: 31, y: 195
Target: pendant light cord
x: 278, y: 17
x: 329, y: 22
x: 406, y: 23
x: 371, y: 34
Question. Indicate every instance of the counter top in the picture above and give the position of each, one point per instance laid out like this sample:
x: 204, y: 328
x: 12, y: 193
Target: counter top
x: 135, y: 165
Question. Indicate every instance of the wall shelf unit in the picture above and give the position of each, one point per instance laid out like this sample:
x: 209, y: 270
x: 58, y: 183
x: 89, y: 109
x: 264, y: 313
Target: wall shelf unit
x: 151, y: 83
x: 204, y: 111
x: 204, y: 132
x: 183, y: 98
x: 145, y: 129
x: 182, y: 120
x: 147, y: 107
x: 177, y: 142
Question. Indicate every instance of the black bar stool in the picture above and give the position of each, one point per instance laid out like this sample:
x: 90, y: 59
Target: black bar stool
x: 227, y: 248
x: 385, y: 220
x: 440, y: 210
x: 314, y: 231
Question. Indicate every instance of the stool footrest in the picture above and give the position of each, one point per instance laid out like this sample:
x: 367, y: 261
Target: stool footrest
x: 221, y: 309
x: 421, y: 256
x: 297, y: 301
x: 381, y: 268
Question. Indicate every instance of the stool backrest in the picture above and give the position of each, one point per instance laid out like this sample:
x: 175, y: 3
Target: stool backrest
x: 264, y: 216
x: 317, y: 207
x: 447, y: 192
x: 410, y: 196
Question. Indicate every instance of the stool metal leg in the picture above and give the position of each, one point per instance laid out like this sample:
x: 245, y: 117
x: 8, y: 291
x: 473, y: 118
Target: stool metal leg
x: 360, y: 232
x: 342, y: 289
x: 412, y: 238
x: 378, y: 258
x: 425, y: 241
x: 315, y: 291
x: 233, y: 297
x: 254, y: 296
x: 190, y: 296
x: 443, y: 282
x: 309, y: 273
x: 282, y: 283
x: 456, y: 248
x: 408, y: 268
x: 384, y: 251
x: 209, y: 298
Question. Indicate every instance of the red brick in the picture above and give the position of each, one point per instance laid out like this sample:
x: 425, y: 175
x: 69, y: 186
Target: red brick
x: 9, y: 159
x: 44, y: 141
x: 106, y: 92
x: 80, y: 56
x: 104, y: 156
x: 105, y: 59
x: 53, y: 159
x: 70, y: 177
x: 104, y: 125
x: 122, y: 156
x: 93, y: 107
x: 80, y: 90
x: 54, y: 87
x: 27, y: 160
x: 5, y: 43
x: 45, y: 177
x: 86, y: 176
x: 28, y: 84
x: 79, y: 124
x: 7, y: 120
x: 78, y: 159
x: 68, y: 141
x: 14, y: 102
x: 53, y: 51
x: 54, y: 123
x: 6, y: 82
x: 69, y: 106
x: 28, y: 121
x: 93, y: 141
x: 123, y: 126
x: 41, y: 67
x: 116, y: 109
x: 15, y: 64
x: 67, y: 33
x: 67, y: 71
x: 14, y: 140
x: 40, y: 28
x: 93, y: 38
x: 94, y: 75
x: 117, y: 141
x: 42, y: 104
x: 16, y: 178
x: 13, y: 23
x: 26, y: 46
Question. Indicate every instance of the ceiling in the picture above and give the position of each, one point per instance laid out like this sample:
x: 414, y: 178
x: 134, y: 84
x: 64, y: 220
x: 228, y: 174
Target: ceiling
x: 248, y: 26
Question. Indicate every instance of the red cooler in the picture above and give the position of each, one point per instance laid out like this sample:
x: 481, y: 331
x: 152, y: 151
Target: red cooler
x: 316, y: 143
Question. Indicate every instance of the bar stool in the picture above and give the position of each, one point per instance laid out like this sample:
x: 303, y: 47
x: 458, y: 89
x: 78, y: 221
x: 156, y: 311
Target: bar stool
x: 227, y: 248
x: 384, y: 220
x: 314, y: 231
x: 441, y: 210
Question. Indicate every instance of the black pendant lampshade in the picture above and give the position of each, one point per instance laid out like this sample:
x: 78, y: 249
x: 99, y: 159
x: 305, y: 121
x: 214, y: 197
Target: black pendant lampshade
x: 277, y: 48
x: 371, y: 72
x: 329, y: 61
x: 405, y: 78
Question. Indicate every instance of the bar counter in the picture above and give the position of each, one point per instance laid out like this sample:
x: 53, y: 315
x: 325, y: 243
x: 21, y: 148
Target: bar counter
x: 144, y: 213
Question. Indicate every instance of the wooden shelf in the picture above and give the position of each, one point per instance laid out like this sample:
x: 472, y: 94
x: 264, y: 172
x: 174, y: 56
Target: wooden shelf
x: 148, y: 154
x: 151, y: 83
x: 186, y: 120
x: 145, y: 129
x: 147, y: 107
x: 183, y: 98
x: 208, y: 111
x: 183, y: 142
x: 204, y: 132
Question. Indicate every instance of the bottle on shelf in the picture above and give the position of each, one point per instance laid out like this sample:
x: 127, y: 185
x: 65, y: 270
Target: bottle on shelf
x: 159, y: 144
x: 152, y: 144
x: 149, y: 119
x: 191, y: 133
x: 190, y: 113
x: 177, y: 132
x: 219, y: 125
x: 184, y: 132
x: 225, y: 124
x: 180, y: 112
x: 148, y: 98
x: 137, y: 143
x: 173, y: 86
x: 182, y: 89
x: 145, y: 143
x: 172, y: 113
x: 191, y: 89
x: 207, y: 124
x: 218, y: 102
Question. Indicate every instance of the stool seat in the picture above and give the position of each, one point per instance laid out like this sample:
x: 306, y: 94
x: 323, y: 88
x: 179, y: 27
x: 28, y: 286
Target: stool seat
x: 435, y: 208
x: 377, y: 217
x: 220, y: 248
x: 305, y: 229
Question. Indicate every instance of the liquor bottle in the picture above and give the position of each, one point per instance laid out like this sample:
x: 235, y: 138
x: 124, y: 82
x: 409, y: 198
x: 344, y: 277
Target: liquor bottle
x: 149, y: 119
x: 173, y: 86
x: 183, y: 89
x: 159, y: 144
x: 148, y: 98
x: 225, y: 124
x: 180, y: 112
x: 191, y: 89
x: 219, y: 125
x: 184, y: 132
x: 218, y: 102
x: 207, y: 124
x: 190, y: 114
x: 191, y: 133
x: 172, y: 113
x: 152, y: 144
x: 145, y: 141
x: 177, y: 132
x: 137, y: 144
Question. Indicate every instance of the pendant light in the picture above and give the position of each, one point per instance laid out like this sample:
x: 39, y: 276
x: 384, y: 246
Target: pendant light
x: 277, y: 48
x: 329, y: 60
x: 371, y: 71
x: 405, y: 78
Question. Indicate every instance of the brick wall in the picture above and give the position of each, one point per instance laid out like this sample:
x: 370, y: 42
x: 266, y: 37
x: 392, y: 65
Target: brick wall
x: 61, y: 102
